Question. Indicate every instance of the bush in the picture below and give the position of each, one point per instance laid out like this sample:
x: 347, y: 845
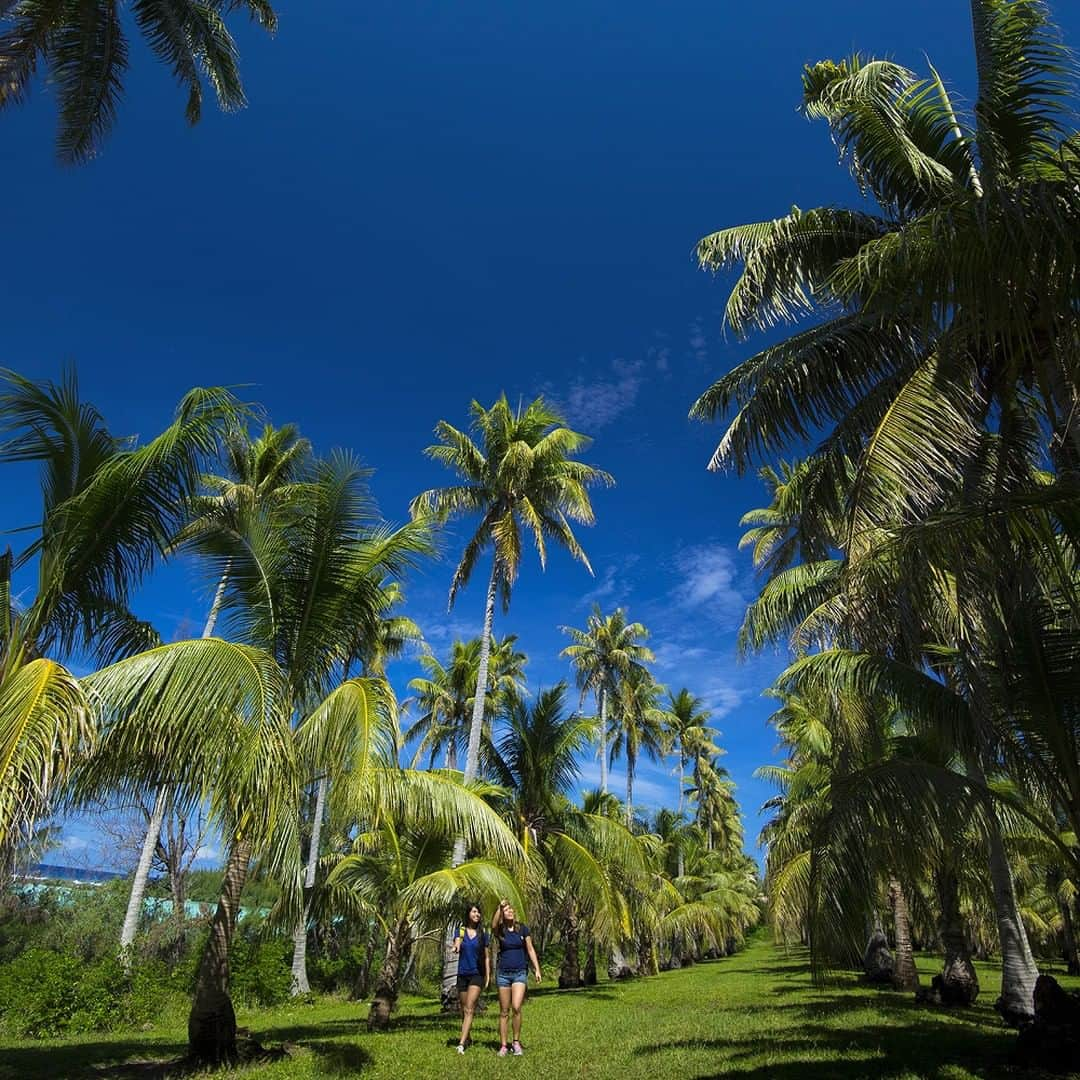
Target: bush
x: 39, y: 993
x: 260, y: 971
x: 45, y: 993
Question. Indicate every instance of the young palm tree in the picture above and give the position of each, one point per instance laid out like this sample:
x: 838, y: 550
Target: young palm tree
x: 109, y: 510
x: 521, y: 475
x: 607, y: 651
x: 85, y: 49
x: 639, y: 726
x: 398, y: 868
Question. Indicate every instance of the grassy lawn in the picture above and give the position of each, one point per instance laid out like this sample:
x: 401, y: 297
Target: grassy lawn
x: 751, y: 1015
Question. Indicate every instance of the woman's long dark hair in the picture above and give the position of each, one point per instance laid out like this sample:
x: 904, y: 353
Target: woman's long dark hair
x: 468, y: 909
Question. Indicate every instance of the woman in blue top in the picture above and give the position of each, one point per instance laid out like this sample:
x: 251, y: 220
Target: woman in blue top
x: 515, y: 944
x: 471, y: 945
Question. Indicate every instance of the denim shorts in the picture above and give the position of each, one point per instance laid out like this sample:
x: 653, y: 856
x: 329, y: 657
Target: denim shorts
x: 508, y: 978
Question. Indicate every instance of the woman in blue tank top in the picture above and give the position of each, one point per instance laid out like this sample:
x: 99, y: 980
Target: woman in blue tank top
x: 471, y: 945
x: 516, y: 953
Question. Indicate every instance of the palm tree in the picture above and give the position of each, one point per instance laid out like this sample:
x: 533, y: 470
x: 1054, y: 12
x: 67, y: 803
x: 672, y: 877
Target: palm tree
x: 638, y: 726
x: 85, y: 49
x: 260, y: 481
x: 583, y: 853
x: 109, y: 510
x: 687, y: 728
x: 522, y: 475
x: 397, y: 870
x: 446, y: 695
x: 607, y: 651
x: 314, y: 597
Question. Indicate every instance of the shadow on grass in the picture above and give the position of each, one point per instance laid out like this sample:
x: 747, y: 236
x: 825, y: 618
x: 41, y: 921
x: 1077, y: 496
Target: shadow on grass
x: 823, y: 1050
x: 133, y: 1057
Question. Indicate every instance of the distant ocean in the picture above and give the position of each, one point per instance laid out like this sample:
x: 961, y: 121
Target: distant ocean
x: 77, y: 874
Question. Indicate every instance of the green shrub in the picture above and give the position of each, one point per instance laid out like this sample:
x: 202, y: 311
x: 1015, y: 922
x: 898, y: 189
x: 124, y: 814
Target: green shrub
x: 39, y: 993
x: 45, y: 993
x: 260, y: 972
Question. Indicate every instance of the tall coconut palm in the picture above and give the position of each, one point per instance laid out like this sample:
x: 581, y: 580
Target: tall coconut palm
x: 259, y: 482
x: 945, y: 304
x: 85, y: 49
x: 519, y: 476
x: 638, y: 726
x: 607, y: 651
x: 316, y: 603
x: 687, y: 729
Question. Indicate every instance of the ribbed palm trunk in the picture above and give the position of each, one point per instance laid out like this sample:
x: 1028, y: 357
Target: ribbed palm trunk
x: 1068, y: 932
x: 212, y: 1021
x: 603, y: 740
x: 905, y: 977
x: 960, y: 982
x: 588, y: 976
x: 570, y: 976
x: 631, y: 763
x: 1018, y: 968
x: 300, y: 983
x: 142, y: 875
x: 157, y: 818
x: 472, y: 767
x: 388, y: 983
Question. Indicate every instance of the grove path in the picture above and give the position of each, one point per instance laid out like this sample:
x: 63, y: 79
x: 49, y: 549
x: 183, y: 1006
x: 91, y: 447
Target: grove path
x: 752, y: 1015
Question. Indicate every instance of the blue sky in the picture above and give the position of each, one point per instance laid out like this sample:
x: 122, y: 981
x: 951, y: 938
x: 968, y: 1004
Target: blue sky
x: 426, y: 203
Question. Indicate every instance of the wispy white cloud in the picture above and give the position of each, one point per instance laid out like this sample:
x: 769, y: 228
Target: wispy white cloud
x: 698, y: 343
x: 592, y: 403
x: 708, y: 583
x: 615, y: 584
x: 73, y: 844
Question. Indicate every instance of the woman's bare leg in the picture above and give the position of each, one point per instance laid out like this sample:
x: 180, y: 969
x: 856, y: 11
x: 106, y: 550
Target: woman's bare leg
x: 468, y: 1010
x: 504, y: 1012
x: 517, y: 992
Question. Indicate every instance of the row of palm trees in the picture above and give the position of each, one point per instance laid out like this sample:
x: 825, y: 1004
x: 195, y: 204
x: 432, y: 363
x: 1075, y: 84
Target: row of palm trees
x: 920, y: 558
x: 279, y: 720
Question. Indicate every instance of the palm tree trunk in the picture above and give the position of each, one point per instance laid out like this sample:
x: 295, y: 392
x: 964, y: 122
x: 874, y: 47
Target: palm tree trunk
x: 603, y: 740
x: 959, y: 980
x: 142, y: 874
x: 630, y: 763
x: 153, y: 828
x: 388, y: 982
x: 212, y: 1021
x: 300, y: 983
x: 472, y: 767
x: 1018, y: 968
x: 588, y: 976
x: 1072, y: 958
x: 905, y: 977
x: 570, y: 976
x: 682, y: 769
x: 476, y: 725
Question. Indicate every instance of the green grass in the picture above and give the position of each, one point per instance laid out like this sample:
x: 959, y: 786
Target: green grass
x: 754, y: 1015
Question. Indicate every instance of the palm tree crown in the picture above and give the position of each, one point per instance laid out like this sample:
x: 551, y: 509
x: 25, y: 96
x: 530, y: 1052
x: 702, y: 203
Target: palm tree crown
x: 86, y: 51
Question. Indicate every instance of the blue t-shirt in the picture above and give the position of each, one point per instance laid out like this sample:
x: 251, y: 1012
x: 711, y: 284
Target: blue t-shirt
x: 512, y: 955
x: 470, y: 952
